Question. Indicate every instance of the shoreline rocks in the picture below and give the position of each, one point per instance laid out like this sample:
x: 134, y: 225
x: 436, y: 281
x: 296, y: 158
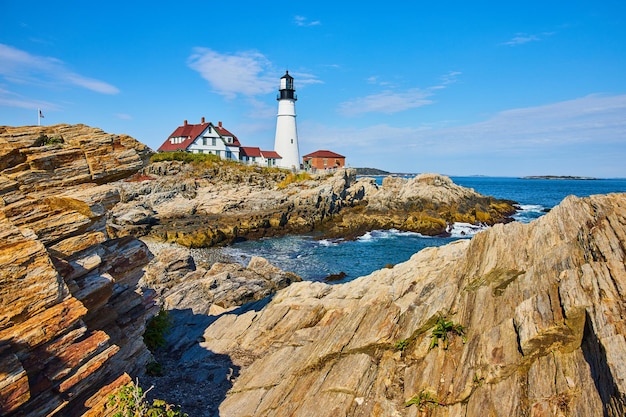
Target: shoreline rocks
x: 214, y: 210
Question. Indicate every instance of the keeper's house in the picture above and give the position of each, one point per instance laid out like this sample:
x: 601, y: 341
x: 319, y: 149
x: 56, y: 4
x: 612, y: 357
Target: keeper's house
x: 203, y: 138
x: 323, y: 159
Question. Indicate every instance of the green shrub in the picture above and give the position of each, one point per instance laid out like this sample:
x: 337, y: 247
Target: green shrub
x: 44, y: 140
x: 422, y: 400
x: 442, y: 328
x: 154, y: 336
x: 401, y: 345
x: 184, y: 157
x: 130, y: 401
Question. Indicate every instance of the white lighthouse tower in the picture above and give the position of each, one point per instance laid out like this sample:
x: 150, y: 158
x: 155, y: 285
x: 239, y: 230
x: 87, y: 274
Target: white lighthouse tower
x: 286, y: 139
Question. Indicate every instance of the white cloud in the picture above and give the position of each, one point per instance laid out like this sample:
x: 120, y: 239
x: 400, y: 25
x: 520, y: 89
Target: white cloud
x: 522, y: 38
x: 303, y: 21
x: 305, y: 78
x: 387, y: 102
x: 392, y: 101
x: 244, y: 73
x: 20, y: 67
x: 450, y: 78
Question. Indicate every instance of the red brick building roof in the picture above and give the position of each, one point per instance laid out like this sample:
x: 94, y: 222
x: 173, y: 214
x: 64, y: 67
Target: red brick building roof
x: 323, y: 154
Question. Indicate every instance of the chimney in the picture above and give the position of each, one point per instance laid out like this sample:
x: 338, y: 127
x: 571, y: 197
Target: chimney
x: 202, y: 120
x: 219, y: 124
x: 185, y: 123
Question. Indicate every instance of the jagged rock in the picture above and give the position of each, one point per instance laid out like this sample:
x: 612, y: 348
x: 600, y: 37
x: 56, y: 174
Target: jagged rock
x: 168, y: 269
x: 71, y: 317
x: 182, y: 285
x: 542, y: 304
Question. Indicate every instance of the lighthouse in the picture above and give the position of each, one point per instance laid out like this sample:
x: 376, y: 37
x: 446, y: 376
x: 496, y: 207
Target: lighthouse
x: 286, y: 139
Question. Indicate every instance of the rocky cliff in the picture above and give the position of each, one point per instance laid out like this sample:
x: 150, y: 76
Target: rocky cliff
x: 542, y: 306
x: 71, y: 314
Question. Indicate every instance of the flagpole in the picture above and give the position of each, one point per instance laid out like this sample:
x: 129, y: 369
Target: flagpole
x: 38, y: 117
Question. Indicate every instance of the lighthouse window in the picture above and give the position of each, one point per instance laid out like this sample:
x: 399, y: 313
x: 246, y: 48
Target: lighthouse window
x: 291, y: 140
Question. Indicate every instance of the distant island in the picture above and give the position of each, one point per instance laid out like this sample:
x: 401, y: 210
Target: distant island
x: 557, y: 177
x: 371, y: 171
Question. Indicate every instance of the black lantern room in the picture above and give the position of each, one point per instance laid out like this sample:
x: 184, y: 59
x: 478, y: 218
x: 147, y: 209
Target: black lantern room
x: 286, y: 88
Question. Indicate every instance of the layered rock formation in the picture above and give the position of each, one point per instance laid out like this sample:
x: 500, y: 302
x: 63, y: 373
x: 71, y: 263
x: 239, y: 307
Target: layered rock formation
x: 542, y: 305
x: 71, y: 317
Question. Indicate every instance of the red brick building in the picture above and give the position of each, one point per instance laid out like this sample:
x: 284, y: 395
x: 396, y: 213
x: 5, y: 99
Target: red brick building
x: 324, y: 159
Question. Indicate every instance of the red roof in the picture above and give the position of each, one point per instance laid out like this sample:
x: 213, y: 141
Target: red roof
x: 250, y: 151
x: 220, y: 129
x: 323, y: 154
x: 187, y: 131
x: 190, y: 133
x: 271, y: 154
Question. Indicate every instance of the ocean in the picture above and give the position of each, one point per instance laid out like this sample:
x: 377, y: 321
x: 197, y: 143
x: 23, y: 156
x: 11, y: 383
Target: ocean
x: 315, y: 259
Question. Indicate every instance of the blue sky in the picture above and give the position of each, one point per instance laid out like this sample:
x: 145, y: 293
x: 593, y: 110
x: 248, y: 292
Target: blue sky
x: 459, y: 88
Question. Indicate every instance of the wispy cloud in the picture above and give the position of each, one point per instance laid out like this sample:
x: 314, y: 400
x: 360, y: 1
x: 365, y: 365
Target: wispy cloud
x: 450, y: 78
x: 11, y: 99
x: 305, y: 78
x: 522, y: 38
x: 303, y: 21
x: 245, y: 73
x: 568, y: 132
x: 387, y: 102
x: 393, y: 101
x: 21, y: 67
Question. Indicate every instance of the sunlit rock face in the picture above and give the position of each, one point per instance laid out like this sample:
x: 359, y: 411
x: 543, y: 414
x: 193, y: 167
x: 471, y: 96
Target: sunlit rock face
x: 71, y: 318
x: 542, y: 305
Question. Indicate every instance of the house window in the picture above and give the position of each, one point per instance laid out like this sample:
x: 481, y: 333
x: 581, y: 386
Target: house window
x: 213, y: 142
x: 325, y: 162
x: 229, y: 155
x: 217, y: 153
x: 254, y: 159
x: 204, y: 141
